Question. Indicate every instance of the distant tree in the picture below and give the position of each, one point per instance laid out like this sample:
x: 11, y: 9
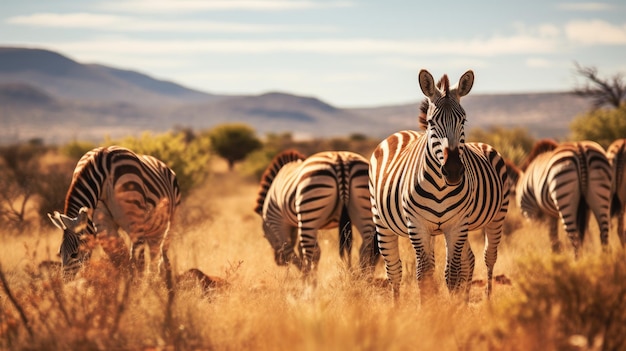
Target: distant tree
x: 602, y: 91
x: 357, y: 137
x: 19, y: 173
x: 602, y: 125
x: 233, y: 142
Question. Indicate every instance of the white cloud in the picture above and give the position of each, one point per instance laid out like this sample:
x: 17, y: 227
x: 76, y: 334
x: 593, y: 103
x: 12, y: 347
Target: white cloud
x: 541, y: 30
x: 595, y: 32
x: 421, y: 48
x: 168, y: 6
x: 414, y: 63
x: 585, y: 6
x: 73, y: 20
x: 116, y: 23
x: 537, y: 62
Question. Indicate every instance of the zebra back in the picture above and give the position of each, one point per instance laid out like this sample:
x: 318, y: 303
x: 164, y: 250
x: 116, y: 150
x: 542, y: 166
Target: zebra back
x: 268, y: 176
x: 540, y: 147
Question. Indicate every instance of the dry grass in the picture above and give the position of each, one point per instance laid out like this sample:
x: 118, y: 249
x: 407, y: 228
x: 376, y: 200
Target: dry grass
x: 257, y: 305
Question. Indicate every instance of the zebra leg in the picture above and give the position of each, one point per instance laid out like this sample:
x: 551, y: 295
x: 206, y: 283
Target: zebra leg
x: 457, y: 259
x: 598, y: 191
x: 388, y: 243
x: 599, y: 200
x: 468, y: 269
x: 140, y: 256
x: 169, y: 284
x: 574, y: 237
x: 423, y: 244
x: 310, y: 250
x: 553, y: 224
x: 368, y: 254
x: 493, y: 234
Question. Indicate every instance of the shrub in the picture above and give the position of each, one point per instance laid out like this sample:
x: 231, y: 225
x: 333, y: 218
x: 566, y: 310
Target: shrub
x: 233, y: 142
x: 602, y: 125
x: 563, y: 304
x: 513, y: 144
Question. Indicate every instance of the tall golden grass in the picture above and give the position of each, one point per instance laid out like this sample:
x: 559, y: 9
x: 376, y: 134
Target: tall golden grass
x: 552, y: 303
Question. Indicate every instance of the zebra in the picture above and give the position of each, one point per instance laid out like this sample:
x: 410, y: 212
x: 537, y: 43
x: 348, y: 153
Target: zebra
x: 563, y: 181
x: 426, y: 183
x: 135, y: 193
x: 299, y: 195
x: 616, y: 153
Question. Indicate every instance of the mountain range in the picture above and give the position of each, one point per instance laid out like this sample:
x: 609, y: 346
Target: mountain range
x: 48, y: 96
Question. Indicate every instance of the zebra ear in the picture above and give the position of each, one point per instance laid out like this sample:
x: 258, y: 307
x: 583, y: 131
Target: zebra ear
x: 82, y: 219
x: 427, y: 83
x: 465, y: 83
x: 56, y: 220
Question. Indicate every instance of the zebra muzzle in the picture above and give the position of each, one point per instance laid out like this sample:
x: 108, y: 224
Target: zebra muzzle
x: 453, y: 168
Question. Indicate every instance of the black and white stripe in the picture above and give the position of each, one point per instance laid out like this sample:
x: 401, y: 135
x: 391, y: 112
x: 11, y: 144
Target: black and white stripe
x: 135, y: 193
x: 563, y: 182
x: 427, y: 183
x: 298, y: 196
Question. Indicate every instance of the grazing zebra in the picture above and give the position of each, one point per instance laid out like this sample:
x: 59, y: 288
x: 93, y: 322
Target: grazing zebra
x: 298, y: 196
x: 563, y: 182
x: 427, y: 183
x: 616, y: 154
x: 135, y: 193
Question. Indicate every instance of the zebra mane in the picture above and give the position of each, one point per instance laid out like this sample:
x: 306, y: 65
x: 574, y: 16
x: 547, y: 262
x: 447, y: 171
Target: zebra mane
x: 270, y: 173
x: 541, y: 147
x: 423, y: 123
x: 85, y: 168
x: 444, y: 85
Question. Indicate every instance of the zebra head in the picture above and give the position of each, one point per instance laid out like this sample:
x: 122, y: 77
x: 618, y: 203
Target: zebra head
x: 74, y: 231
x: 284, y: 253
x: 445, y: 119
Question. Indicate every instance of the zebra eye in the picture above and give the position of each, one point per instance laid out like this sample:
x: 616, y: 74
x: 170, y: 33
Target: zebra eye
x: 74, y: 255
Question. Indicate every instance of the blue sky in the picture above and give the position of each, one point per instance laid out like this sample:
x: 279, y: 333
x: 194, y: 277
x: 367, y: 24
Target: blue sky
x: 348, y: 53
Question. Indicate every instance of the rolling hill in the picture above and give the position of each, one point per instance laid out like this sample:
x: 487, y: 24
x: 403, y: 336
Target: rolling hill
x: 46, y: 95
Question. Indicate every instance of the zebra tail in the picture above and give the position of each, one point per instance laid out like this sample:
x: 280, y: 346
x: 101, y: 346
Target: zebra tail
x: 581, y: 218
x: 345, y: 233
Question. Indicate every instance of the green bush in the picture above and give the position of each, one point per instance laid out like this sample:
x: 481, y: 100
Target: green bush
x: 513, y: 144
x: 602, y: 125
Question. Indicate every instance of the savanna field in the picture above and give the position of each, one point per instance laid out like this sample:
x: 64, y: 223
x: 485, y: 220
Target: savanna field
x: 541, y: 300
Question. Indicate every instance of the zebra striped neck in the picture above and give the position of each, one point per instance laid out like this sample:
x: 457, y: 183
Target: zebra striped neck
x: 86, y: 187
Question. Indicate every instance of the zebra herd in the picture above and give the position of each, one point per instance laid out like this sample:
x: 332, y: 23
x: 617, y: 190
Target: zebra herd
x: 417, y: 184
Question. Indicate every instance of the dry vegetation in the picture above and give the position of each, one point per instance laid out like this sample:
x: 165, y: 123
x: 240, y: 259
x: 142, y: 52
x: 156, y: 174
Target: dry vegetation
x: 553, y: 303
